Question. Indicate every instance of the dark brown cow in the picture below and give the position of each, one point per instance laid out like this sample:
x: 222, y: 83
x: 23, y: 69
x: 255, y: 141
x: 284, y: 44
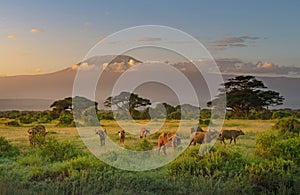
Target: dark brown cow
x: 102, y: 135
x: 230, y: 134
x: 122, y: 136
x: 36, y: 135
x: 168, y: 140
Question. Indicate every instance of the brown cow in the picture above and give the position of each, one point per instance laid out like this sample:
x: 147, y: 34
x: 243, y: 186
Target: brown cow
x: 168, y: 140
x: 36, y: 135
x: 196, y: 129
x: 102, y: 134
x: 197, y: 137
x: 206, y: 136
x: 230, y: 134
x: 144, y: 132
x: 122, y: 136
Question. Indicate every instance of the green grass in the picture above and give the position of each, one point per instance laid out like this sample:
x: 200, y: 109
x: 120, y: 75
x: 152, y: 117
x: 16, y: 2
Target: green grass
x: 226, y: 169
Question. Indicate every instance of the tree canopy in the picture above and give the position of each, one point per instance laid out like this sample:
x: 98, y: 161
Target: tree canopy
x: 245, y: 93
x: 127, y: 101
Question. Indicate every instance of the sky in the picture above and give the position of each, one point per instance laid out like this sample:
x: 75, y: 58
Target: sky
x: 39, y: 37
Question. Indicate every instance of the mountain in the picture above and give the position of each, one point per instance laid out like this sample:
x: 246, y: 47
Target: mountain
x: 21, y: 92
x: 25, y: 104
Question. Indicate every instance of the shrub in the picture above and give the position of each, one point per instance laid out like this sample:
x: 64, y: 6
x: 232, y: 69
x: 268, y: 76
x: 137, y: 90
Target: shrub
x: 66, y: 120
x: 288, y: 125
x: 269, y: 175
x: 6, y: 149
x: 287, y: 149
x: 263, y: 115
x: 90, y: 121
x: 265, y: 142
x: 205, y: 122
x: 26, y: 120
x: 280, y: 114
x: 13, y: 124
x: 174, y: 115
x: 59, y: 151
x: 45, y: 119
x: 106, y: 116
x: 223, y: 162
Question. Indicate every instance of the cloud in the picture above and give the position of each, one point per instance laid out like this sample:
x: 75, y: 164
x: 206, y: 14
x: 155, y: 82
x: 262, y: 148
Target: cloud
x: 149, y: 39
x: 75, y: 67
x: 264, y: 65
x: 83, y: 66
x: 11, y: 37
x: 236, y: 66
x: 35, y: 30
x: 230, y: 42
x: 37, y: 70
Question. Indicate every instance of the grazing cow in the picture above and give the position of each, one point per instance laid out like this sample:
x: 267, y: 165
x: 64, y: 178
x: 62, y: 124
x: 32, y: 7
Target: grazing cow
x: 198, y: 129
x: 122, y: 136
x: 102, y: 134
x: 36, y: 135
x: 167, y: 140
x: 194, y: 130
x: 206, y: 136
x: 230, y: 134
x: 197, y: 137
x: 144, y: 132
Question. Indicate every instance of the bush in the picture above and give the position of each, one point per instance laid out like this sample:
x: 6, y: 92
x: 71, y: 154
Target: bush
x: 273, y: 145
x: 280, y: 114
x: 287, y: 149
x: 66, y: 120
x: 27, y: 119
x: 265, y: 142
x: 59, y: 151
x: 174, y: 115
x: 263, y: 115
x: 6, y: 149
x: 90, y: 121
x: 205, y: 122
x: 106, y: 116
x: 222, y: 162
x: 13, y: 124
x: 45, y: 119
x: 268, y: 176
x: 288, y: 125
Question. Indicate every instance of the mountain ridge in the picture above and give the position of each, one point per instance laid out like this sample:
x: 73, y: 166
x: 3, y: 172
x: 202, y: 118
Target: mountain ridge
x: 59, y: 84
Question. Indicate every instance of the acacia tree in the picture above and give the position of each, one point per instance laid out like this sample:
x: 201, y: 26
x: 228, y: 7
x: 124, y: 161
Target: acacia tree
x: 80, y: 107
x: 127, y: 102
x: 245, y: 93
x: 61, y: 106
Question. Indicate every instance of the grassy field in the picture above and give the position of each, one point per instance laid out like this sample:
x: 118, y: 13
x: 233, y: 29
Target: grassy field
x: 229, y: 169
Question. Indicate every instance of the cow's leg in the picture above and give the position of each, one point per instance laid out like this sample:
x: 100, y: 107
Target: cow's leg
x: 230, y: 140
x: 223, y: 139
x: 234, y: 141
x: 159, y: 150
x: 164, y: 149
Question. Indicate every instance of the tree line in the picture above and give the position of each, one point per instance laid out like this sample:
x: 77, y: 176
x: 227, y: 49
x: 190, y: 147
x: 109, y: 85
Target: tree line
x: 246, y: 98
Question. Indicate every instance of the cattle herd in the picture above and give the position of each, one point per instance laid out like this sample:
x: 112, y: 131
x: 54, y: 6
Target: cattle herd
x: 37, y: 134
